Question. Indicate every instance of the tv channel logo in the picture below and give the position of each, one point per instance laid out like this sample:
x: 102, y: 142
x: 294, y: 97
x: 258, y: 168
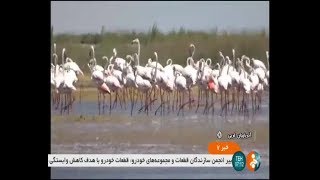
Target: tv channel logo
x: 253, y: 161
x: 238, y: 161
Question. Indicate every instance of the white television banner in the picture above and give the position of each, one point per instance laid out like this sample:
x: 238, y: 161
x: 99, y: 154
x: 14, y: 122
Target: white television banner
x: 139, y: 160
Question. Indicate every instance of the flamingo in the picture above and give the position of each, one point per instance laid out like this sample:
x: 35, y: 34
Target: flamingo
x: 97, y: 76
x: 162, y: 79
x: 235, y: 78
x: 257, y: 63
x: 168, y: 71
x: 178, y: 67
x: 119, y: 75
x: 245, y: 85
x: 129, y: 80
x: 181, y: 86
x: 225, y: 82
x: 192, y: 50
x: 73, y: 65
x: 143, y: 85
x: 64, y: 83
x: 119, y: 63
x: 93, y: 62
x: 53, y: 75
x: 202, y: 84
x: 215, y: 72
x: 138, y: 42
x: 59, y: 80
x: 254, y: 78
x: 190, y: 73
x: 144, y: 72
x: 154, y: 64
x: 113, y: 83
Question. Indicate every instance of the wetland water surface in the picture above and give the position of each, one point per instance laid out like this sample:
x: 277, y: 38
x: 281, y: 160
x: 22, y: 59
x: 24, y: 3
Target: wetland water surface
x: 83, y: 131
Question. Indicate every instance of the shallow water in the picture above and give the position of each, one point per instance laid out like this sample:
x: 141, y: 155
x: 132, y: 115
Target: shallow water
x: 91, y: 108
x: 190, y: 132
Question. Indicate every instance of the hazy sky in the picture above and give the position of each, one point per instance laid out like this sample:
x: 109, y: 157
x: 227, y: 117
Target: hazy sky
x: 83, y: 17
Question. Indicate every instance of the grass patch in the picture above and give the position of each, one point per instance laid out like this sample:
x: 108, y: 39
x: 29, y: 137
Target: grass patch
x: 172, y: 45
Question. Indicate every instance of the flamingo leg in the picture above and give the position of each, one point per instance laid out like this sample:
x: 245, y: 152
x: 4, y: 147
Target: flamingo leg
x: 69, y: 102
x: 221, y: 101
x: 173, y: 100
x: 199, y: 90
x: 57, y: 101
x: 206, y: 106
x: 110, y: 103
x: 141, y: 97
x: 183, y: 95
x: 120, y: 98
x: 168, y: 100
x: 225, y: 100
x: 233, y: 99
x: 212, y: 102
x: 99, y: 101
x: 180, y: 99
x: 103, y: 103
x: 146, y: 102
x: 177, y: 102
x: 124, y: 91
x: 61, y: 104
x: 131, y: 99
x: 80, y: 93
x: 115, y: 100
x: 189, y: 89
x: 252, y: 102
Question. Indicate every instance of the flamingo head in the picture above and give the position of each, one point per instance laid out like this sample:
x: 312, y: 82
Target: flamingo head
x: 191, y: 49
x: 135, y: 41
x: 114, y: 52
x: 191, y: 45
x: 90, y: 54
x: 129, y: 57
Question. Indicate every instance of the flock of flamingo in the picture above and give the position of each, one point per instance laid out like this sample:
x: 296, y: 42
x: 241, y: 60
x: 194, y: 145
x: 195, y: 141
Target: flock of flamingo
x: 166, y: 85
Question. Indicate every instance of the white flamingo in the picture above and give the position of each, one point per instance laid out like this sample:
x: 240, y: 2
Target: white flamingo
x: 202, y: 82
x: 138, y: 42
x: 143, y: 85
x: 93, y: 62
x: 192, y: 50
x: 64, y: 84
x: 113, y: 83
x: 144, y: 72
x: 245, y: 85
x: 178, y: 67
x: 257, y: 63
x: 254, y: 78
x: 73, y: 65
x: 97, y: 76
x: 181, y: 86
x: 154, y: 64
x: 119, y: 63
x: 224, y: 81
x: 164, y: 80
